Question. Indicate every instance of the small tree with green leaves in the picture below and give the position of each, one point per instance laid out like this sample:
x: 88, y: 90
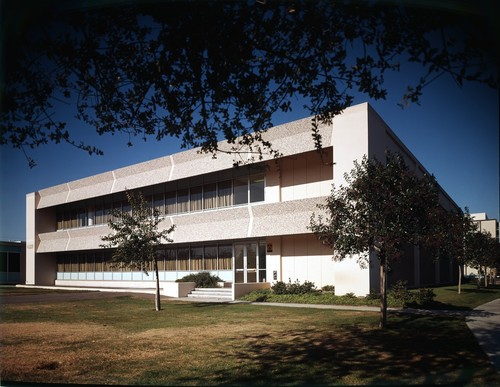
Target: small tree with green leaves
x: 135, y: 237
x: 453, y: 236
x: 481, y: 252
x: 382, y: 207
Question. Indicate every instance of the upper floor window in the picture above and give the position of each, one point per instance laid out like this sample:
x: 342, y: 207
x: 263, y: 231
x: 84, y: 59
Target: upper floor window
x: 241, y: 190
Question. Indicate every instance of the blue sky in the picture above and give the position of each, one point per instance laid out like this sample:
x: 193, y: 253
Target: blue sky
x: 454, y: 133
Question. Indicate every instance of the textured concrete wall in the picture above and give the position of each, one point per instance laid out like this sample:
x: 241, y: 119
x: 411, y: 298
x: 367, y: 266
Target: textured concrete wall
x: 289, y: 139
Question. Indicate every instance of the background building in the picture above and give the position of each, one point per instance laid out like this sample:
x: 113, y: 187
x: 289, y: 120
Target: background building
x: 12, y: 262
x: 248, y: 225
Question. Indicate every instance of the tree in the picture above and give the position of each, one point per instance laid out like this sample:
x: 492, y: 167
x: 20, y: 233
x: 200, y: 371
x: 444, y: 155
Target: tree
x: 381, y: 207
x: 453, y: 232
x: 205, y: 71
x: 135, y: 237
x: 481, y: 252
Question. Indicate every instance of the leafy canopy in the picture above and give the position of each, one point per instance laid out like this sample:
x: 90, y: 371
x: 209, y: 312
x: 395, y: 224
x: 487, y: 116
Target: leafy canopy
x: 382, y: 206
x: 204, y: 71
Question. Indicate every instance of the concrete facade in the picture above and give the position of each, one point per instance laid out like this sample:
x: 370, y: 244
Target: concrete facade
x: 256, y: 234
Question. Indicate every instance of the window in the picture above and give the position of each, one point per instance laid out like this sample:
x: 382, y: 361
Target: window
x: 82, y: 217
x: 209, y: 196
x: 262, y: 262
x: 170, y: 260
x: 183, y: 258
x: 224, y: 193
x: 196, y: 258
x: 257, y: 189
x: 81, y: 263
x: 170, y: 202
x: 159, y: 203
x: 60, y: 220
x: 210, y: 258
x: 240, y: 190
x: 14, y: 262
x: 225, y: 257
x: 108, y: 208
x: 183, y: 200
x: 196, y: 198
x: 99, y: 213
x: 160, y: 258
x: 72, y: 219
x: 60, y: 263
x: 3, y: 262
x: 99, y: 262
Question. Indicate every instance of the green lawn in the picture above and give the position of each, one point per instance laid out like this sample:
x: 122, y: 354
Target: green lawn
x: 123, y: 340
x: 447, y: 297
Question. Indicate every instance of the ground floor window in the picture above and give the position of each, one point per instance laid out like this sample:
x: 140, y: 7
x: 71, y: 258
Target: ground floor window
x: 241, y: 262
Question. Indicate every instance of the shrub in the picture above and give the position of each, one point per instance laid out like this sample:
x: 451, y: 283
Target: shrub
x: 296, y: 287
x: 203, y: 279
x: 401, y: 296
x: 425, y: 296
x: 400, y: 293
x: 328, y: 288
x: 373, y: 297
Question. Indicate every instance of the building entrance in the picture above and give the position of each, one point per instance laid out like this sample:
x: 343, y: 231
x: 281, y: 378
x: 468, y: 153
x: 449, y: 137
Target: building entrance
x: 249, y: 263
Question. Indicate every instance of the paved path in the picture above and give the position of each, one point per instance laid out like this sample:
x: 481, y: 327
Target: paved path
x: 484, y: 322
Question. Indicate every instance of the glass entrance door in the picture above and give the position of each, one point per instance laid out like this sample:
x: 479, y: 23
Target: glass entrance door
x: 246, y: 263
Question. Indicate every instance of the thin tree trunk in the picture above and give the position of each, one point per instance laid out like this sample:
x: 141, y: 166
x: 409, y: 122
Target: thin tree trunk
x: 157, y: 296
x: 459, y: 279
x: 383, y: 293
x: 485, y: 279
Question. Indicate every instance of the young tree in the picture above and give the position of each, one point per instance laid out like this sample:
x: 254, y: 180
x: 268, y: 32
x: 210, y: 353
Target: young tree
x: 453, y: 231
x: 481, y: 252
x: 209, y: 70
x: 382, y: 207
x: 135, y: 236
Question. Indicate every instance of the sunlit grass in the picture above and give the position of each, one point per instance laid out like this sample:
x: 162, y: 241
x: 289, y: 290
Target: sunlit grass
x: 124, y: 341
x: 447, y: 297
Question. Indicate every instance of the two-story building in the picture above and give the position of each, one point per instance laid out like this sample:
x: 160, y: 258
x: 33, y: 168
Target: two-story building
x: 248, y: 225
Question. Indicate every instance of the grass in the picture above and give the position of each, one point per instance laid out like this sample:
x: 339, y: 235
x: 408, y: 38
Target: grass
x: 470, y: 297
x: 122, y: 340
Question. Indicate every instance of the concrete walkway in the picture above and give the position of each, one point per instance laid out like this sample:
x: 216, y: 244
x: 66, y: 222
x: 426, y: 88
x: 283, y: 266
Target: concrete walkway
x: 484, y: 322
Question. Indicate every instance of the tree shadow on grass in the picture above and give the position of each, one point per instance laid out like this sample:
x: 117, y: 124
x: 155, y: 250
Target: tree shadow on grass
x: 414, y: 349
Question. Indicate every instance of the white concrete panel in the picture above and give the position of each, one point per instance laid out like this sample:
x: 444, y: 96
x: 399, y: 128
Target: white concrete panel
x: 350, y: 278
x: 30, y: 238
x: 350, y: 140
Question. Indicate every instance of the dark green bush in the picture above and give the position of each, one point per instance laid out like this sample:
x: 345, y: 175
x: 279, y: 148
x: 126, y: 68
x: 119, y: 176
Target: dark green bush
x: 425, y: 296
x: 400, y: 295
x: 296, y: 287
x: 328, y: 288
x: 203, y: 279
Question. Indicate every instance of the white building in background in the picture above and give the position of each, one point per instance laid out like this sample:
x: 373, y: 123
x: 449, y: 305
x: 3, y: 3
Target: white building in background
x: 486, y: 225
x: 247, y: 225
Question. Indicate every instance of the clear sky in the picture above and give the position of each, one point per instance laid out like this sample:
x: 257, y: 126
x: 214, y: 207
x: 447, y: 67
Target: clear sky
x: 454, y: 133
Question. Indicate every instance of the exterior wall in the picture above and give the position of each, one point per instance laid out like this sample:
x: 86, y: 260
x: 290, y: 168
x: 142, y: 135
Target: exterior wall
x: 304, y: 258
x: 31, y: 238
x: 294, y: 184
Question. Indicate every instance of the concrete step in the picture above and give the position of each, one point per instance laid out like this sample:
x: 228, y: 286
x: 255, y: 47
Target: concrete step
x: 217, y: 293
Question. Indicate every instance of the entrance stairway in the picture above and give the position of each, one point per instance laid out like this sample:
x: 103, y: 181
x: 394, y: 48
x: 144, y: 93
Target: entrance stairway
x: 214, y: 294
